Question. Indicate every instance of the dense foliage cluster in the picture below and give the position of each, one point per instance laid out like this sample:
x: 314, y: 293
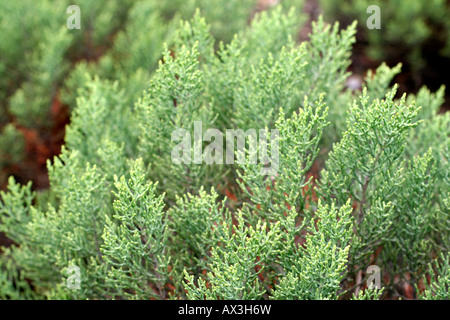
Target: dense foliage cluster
x: 137, y: 225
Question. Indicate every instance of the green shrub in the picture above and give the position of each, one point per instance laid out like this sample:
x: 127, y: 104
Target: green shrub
x: 123, y: 220
x: 117, y: 41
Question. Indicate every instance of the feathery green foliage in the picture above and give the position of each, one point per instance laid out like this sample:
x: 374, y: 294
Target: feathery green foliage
x: 349, y: 178
x: 135, y: 243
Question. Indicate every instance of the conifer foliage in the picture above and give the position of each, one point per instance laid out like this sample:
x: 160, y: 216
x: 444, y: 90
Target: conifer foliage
x: 361, y: 177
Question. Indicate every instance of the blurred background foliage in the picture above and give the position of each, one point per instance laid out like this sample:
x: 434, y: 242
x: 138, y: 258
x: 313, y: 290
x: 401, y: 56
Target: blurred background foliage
x: 415, y: 33
x: 43, y: 64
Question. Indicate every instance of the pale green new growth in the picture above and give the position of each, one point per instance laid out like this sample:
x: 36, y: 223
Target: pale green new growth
x: 370, y: 293
x: 319, y: 267
x: 236, y: 263
x: 136, y: 239
x: 352, y: 178
x: 438, y: 289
